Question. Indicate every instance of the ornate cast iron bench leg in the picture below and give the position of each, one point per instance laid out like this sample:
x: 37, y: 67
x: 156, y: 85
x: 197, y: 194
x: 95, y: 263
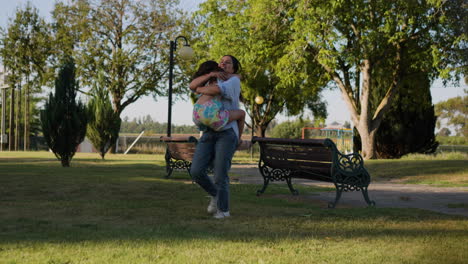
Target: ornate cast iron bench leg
x: 264, y: 171
x: 339, y: 190
x: 169, y: 168
x: 266, y: 180
x: 293, y: 191
x: 366, y: 197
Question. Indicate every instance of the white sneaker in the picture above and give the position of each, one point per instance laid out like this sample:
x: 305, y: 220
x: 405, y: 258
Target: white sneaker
x: 221, y: 215
x: 213, y: 206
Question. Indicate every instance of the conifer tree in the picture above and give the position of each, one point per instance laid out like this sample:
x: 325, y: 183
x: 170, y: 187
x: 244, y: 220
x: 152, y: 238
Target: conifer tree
x: 104, y: 123
x: 408, y: 126
x: 63, y: 119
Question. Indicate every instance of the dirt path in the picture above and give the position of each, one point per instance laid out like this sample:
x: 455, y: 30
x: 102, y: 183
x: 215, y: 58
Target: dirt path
x: 386, y: 195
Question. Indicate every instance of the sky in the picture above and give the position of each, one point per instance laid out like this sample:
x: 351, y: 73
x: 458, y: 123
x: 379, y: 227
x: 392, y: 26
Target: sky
x: 182, y: 110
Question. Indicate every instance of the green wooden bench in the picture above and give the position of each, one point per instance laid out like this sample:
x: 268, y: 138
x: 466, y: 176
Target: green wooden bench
x: 314, y: 159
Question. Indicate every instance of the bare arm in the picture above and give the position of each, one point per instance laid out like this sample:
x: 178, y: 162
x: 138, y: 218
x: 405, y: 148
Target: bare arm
x: 209, y: 90
x: 201, y: 80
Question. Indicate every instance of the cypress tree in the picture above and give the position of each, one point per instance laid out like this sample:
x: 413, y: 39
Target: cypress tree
x: 63, y: 119
x: 104, y: 123
x: 408, y: 127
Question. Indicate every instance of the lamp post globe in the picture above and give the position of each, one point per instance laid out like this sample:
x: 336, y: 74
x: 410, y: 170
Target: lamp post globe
x: 259, y: 99
x: 186, y: 53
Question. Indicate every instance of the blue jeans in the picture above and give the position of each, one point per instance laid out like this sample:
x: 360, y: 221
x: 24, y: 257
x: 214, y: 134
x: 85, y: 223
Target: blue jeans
x: 215, y: 148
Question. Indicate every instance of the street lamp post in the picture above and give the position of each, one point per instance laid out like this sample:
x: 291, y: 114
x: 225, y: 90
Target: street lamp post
x: 258, y: 100
x: 186, y: 52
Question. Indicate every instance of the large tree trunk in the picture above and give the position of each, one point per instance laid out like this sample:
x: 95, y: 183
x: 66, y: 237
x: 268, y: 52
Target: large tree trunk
x: 65, y: 160
x: 367, y: 141
x: 259, y: 130
x: 364, y: 121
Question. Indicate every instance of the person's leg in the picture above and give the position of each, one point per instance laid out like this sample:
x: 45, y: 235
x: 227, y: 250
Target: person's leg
x: 239, y: 116
x: 225, y: 147
x: 202, y: 158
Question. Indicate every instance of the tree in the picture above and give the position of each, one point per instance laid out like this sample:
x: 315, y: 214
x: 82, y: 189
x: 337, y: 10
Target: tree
x: 70, y: 27
x: 25, y: 49
x: 358, y: 41
x: 347, y: 125
x: 290, y: 129
x: 408, y: 126
x: 63, y: 119
x: 259, y: 42
x: 444, y: 132
x: 455, y: 112
x: 127, y: 43
x: 103, y: 124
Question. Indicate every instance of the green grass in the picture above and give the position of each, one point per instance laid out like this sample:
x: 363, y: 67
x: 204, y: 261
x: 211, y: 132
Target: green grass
x: 433, y: 171
x: 122, y: 210
x: 442, y: 169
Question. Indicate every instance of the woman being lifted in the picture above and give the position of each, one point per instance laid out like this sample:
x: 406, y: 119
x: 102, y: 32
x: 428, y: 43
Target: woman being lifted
x: 208, y: 111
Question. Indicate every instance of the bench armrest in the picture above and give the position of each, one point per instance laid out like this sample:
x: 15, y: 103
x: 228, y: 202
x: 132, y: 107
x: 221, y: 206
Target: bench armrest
x: 349, y: 163
x: 190, y: 139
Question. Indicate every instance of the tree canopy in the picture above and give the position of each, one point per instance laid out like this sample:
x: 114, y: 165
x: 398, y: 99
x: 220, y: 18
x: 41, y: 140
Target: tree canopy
x: 454, y: 112
x: 126, y: 41
x: 259, y: 42
x: 25, y: 49
x: 359, y: 40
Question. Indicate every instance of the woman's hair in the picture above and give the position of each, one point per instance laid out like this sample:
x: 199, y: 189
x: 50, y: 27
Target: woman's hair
x: 236, y: 66
x: 207, y: 67
x: 235, y: 63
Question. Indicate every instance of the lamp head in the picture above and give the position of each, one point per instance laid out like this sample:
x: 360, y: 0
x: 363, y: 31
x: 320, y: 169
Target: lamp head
x: 186, y: 52
x: 259, y: 99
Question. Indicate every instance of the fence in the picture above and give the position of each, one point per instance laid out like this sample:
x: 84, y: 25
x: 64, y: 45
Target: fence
x: 151, y: 144
x: 343, y: 137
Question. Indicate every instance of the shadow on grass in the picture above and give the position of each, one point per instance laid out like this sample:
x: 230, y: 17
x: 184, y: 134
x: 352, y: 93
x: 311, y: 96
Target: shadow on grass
x: 134, y: 202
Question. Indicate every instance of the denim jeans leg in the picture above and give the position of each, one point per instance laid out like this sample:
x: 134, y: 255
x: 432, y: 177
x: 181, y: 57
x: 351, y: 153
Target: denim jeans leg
x: 225, y: 148
x: 202, y: 158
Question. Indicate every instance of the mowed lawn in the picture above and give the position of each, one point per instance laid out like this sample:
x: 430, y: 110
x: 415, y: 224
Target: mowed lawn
x: 123, y: 210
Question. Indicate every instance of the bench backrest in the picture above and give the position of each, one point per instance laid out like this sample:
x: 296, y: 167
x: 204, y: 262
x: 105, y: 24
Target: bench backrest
x: 305, y: 158
x: 180, y: 148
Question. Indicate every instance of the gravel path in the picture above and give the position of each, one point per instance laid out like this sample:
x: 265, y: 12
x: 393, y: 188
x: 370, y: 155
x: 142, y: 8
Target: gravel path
x: 385, y: 195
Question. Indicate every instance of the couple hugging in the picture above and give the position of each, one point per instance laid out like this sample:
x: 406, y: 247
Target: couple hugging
x: 217, y: 114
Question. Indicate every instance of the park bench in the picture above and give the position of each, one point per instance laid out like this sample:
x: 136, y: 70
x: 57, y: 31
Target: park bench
x: 314, y: 159
x: 179, y: 153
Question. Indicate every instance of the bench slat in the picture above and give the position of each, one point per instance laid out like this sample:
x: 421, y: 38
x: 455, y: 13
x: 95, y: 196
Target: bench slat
x: 181, y: 147
x: 297, y: 164
x: 285, y: 141
x: 182, y: 156
x: 302, y: 153
x: 181, y: 139
x: 182, y: 151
